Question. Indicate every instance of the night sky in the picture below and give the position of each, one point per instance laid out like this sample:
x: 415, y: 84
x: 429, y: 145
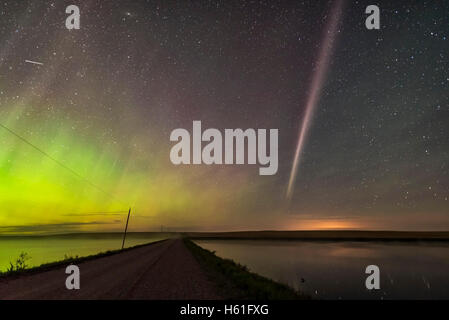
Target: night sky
x: 107, y: 97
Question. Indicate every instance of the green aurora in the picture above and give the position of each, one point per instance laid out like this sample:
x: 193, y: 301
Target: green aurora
x: 106, y: 98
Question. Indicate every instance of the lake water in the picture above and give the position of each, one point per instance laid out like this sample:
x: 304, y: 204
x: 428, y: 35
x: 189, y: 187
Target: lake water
x: 54, y: 248
x: 336, y: 270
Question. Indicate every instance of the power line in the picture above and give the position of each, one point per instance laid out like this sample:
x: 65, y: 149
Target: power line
x: 57, y: 162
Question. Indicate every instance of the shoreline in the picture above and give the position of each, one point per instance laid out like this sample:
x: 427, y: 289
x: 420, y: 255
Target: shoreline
x: 237, y: 281
x: 340, y: 235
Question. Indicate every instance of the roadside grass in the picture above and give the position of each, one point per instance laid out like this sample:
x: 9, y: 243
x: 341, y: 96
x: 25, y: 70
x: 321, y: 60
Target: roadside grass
x: 20, y: 263
x: 19, y: 268
x: 235, y: 281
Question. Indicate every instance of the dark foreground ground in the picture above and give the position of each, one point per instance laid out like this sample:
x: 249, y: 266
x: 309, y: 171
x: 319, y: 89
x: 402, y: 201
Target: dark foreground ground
x: 176, y: 269
x: 173, y: 269
x: 163, y: 270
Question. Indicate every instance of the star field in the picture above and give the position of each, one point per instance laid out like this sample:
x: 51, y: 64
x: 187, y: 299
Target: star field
x: 108, y: 95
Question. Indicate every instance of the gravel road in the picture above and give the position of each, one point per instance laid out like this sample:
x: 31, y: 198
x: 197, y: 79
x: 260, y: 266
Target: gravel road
x: 163, y: 270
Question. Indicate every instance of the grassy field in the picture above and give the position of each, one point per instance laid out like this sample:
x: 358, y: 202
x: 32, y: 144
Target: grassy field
x: 237, y: 282
x: 343, y: 235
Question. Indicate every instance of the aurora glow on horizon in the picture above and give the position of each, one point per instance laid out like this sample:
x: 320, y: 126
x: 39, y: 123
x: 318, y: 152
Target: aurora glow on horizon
x: 106, y: 97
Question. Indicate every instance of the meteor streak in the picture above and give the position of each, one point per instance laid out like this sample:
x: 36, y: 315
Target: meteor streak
x: 34, y: 62
x: 315, y: 89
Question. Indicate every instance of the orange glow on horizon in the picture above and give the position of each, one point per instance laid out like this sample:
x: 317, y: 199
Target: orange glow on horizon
x: 324, y: 224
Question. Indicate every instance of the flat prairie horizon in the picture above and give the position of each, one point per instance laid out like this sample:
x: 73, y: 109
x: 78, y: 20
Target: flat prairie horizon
x: 266, y: 235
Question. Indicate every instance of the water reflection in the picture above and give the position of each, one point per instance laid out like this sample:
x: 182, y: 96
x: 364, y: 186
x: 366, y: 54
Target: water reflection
x: 336, y: 270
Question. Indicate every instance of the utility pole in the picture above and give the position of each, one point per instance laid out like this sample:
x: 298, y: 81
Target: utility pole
x: 126, y: 228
